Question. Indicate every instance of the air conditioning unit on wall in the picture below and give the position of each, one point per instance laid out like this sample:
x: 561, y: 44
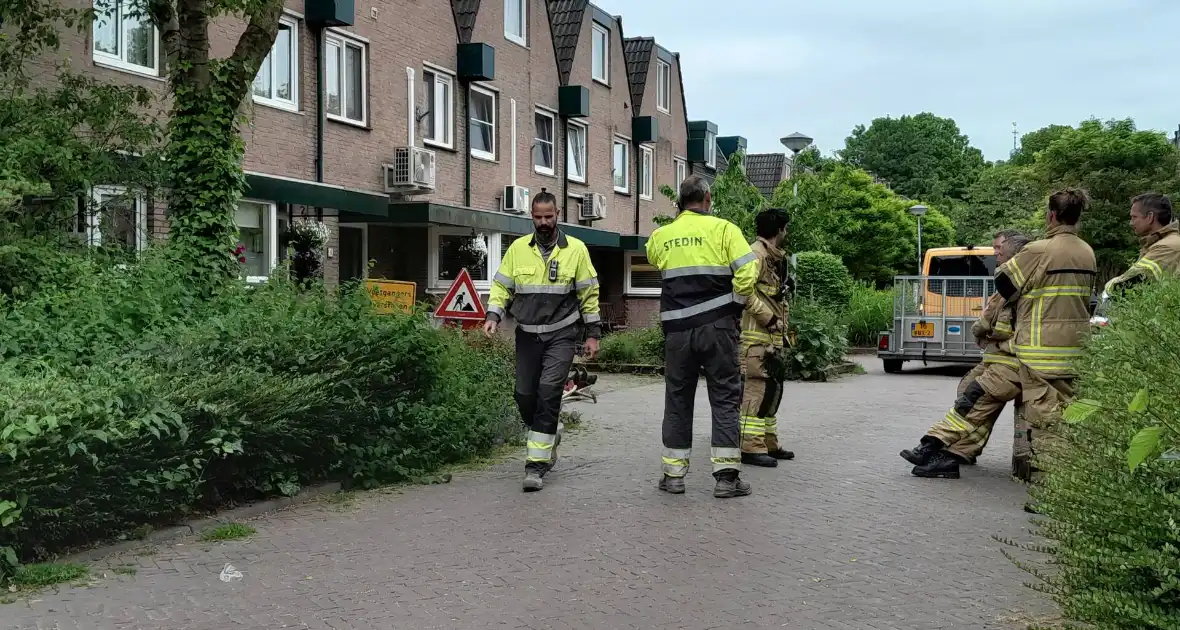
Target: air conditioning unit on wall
x: 515, y: 199
x: 412, y: 171
x: 593, y: 207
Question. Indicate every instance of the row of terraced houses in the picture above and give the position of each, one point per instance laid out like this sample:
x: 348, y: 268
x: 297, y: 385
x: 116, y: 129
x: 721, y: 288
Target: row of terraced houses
x: 421, y: 138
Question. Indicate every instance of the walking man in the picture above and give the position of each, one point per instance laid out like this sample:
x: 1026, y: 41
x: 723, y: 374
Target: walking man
x: 1159, y: 238
x: 764, y: 322
x: 1050, y: 282
x: 708, y: 274
x: 959, y: 438
x: 548, y: 285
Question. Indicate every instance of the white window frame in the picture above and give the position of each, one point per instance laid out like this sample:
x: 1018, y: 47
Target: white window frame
x: 435, y: 283
x: 629, y: 258
x: 119, y: 61
x: 477, y: 153
x: 681, y: 165
x: 710, y: 149
x: 445, y: 122
x: 647, y: 167
x: 523, y: 37
x: 92, y: 230
x: 364, y: 228
x: 291, y: 105
x: 552, y: 170
x: 270, y: 238
x: 663, y: 86
x: 626, y: 187
x: 599, y: 29
x: 344, y: 40
x: 585, y: 152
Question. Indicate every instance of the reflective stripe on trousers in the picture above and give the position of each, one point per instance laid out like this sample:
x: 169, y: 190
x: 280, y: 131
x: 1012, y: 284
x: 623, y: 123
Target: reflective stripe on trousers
x: 540, y: 446
x: 675, y: 460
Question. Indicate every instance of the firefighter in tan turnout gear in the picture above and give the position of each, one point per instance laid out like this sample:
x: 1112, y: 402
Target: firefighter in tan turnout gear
x: 764, y: 322
x: 1050, y: 283
x: 1159, y: 237
x: 959, y: 438
x: 707, y: 274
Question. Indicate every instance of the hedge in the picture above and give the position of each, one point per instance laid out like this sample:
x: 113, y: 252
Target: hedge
x: 823, y: 278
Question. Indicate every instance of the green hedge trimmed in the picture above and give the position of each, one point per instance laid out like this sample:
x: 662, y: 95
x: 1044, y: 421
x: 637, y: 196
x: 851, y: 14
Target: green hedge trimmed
x: 823, y: 278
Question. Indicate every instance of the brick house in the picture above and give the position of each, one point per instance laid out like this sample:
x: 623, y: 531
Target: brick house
x: 509, y: 97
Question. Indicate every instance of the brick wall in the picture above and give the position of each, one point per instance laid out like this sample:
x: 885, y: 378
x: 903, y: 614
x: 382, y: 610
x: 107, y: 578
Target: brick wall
x: 673, y: 141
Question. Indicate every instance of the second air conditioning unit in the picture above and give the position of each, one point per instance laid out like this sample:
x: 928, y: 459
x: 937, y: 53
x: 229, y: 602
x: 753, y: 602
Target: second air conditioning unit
x: 593, y: 207
x: 412, y: 171
x: 515, y: 199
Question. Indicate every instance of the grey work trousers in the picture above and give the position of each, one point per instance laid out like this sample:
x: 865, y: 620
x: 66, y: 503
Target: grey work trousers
x: 713, y: 350
x: 542, y: 368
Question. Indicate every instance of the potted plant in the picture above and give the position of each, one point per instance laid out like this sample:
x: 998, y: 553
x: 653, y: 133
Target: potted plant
x: 308, y: 238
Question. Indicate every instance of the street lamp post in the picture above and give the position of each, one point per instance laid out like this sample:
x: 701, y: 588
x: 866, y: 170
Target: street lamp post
x: 918, y: 210
x: 796, y: 142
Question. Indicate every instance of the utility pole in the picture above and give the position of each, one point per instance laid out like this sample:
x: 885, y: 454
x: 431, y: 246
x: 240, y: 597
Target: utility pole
x: 1015, y: 138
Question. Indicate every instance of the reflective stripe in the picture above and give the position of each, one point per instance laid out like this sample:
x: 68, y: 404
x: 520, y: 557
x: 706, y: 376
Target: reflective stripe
x: 753, y: 427
x: 725, y: 458
x: 771, y: 426
x: 555, y: 289
x: 956, y: 421
x: 540, y: 446
x: 508, y: 283
x: 698, y: 270
x: 591, y: 318
x: 1150, y: 265
x: 703, y: 307
x: 547, y: 328
x: 586, y: 284
x: 1003, y: 327
x: 756, y: 336
x: 1017, y: 274
x: 675, y: 461
x: 1001, y: 359
x: 743, y: 261
x: 497, y: 310
x: 1047, y: 352
x: 1059, y: 291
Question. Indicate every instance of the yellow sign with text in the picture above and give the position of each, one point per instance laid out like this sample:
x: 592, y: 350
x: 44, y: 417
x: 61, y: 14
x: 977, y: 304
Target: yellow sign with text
x: 392, y: 296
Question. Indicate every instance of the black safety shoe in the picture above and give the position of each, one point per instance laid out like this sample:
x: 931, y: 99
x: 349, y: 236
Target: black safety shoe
x: 730, y: 486
x: 759, y: 459
x: 921, y: 454
x: 672, y: 485
x: 780, y: 453
x: 1028, y: 507
x: 942, y: 466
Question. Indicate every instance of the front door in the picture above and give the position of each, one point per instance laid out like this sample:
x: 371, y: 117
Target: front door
x: 352, y: 253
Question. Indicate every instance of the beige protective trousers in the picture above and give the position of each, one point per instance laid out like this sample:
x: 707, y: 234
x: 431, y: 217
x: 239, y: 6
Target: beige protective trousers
x: 761, y: 397
x: 981, y: 398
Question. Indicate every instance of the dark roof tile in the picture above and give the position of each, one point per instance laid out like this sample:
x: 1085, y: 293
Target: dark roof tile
x: 637, y: 53
x: 565, y: 24
x: 465, y: 12
x: 765, y: 170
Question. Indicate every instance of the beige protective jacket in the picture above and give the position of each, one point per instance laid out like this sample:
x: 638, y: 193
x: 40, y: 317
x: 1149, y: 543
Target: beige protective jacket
x: 765, y: 315
x: 1159, y: 255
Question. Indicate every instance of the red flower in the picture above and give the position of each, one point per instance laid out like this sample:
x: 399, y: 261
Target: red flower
x: 241, y: 259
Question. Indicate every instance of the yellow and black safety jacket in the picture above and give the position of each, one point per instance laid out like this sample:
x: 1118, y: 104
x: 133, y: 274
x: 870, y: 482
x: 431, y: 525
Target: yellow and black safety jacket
x: 546, y: 295
x: 1159, y: 256
x: 1050, y: 281
x: 708, y: 271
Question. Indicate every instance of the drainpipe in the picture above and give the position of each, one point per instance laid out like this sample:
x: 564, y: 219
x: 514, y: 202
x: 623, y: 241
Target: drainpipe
x: 412, y: 119
x: 638, y: 184
x: 318, y: 32
x: 512, y: 128
x: 467, y: 145
x: 565, y: 176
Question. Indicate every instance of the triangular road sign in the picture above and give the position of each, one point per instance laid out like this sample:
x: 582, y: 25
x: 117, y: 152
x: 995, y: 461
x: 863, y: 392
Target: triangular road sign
x: 461, y: 301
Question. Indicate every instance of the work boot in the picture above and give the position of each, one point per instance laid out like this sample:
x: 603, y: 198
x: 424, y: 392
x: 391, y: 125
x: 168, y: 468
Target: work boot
x: 759, y: 459
x: 921, y: 454
x: 1030, y: 508
x: 672, y: 485
x: 781, y: 453
x: 942, y: 466
x: 532, y: 481
x: 729, y: 485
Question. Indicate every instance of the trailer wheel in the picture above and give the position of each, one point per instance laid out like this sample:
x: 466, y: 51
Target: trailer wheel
x: 892, y: 366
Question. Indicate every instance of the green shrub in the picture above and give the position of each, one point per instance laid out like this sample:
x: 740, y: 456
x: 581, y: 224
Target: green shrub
x: 638, y: 346
x: 823, y: 278
x: 869, y: 312
x: 1110, y: 501
x: 819, y: 341
x: 125, y: 400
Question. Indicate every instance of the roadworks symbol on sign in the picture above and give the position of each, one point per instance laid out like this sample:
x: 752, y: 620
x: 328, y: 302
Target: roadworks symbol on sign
x: 461, y: 301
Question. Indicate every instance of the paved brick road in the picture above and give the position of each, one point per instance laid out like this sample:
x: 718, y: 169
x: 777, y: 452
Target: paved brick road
x: 842, y: 537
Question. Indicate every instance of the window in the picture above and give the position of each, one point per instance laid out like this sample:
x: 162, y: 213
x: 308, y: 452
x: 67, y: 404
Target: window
x: 124, y: 40
x: 710, y: 149
x: 575, y: 156
x: 345, y: 70
x: 600, y: 49
x: 481, y: 130
x: 622, y: 166
x: 258, y: 235
x: 455, y: 249
x: 663, y: 86
x: 681, y: 171
x: 516, y: 21
x: 276, y: 83
x: 642, y: 278
x: 646, y: 164
x: 113, y: 218
x: 439, y: 123
x: 543, y: 123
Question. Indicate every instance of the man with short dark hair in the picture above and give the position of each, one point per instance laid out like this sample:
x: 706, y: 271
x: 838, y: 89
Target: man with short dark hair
x: 1051, y: 283
x: 708, y: 274
x: 1159, y: 252
x: 548, y: 285
x: 764, y: 322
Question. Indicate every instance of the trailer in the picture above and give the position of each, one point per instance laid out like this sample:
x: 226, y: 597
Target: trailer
x: 932, y: 320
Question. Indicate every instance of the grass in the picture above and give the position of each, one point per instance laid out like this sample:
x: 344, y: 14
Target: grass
x: 228, y: 531
x: 34, y: 576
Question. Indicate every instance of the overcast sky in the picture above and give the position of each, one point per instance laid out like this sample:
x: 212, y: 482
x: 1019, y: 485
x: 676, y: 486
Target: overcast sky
x: 765, y: 68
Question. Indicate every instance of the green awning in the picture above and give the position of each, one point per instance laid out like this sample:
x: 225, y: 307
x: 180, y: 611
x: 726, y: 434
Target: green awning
x: 442, y: 214
x: 633, y: 242
x: 348, y: 201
